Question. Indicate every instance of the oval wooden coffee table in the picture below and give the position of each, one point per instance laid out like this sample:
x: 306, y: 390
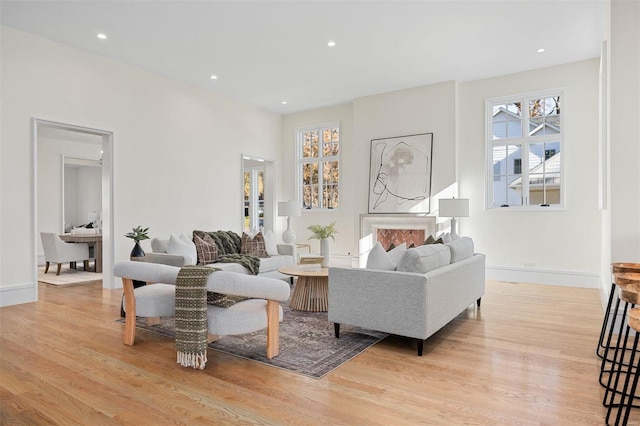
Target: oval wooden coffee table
x: 311, y: 290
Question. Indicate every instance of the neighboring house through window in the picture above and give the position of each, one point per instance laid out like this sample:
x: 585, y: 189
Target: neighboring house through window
x: 318, y: 171
x: 524, y: 146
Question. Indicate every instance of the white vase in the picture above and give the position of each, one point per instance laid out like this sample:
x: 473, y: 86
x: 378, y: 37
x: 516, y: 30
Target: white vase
x: 324, y: 251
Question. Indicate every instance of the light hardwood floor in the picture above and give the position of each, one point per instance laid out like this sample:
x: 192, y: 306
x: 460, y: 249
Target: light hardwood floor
x: 527, y: 357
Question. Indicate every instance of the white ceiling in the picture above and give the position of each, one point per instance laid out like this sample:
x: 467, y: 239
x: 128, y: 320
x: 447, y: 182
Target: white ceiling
x: 265, y: 52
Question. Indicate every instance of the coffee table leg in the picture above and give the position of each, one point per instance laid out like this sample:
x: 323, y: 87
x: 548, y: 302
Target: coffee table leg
x: 310, y: 294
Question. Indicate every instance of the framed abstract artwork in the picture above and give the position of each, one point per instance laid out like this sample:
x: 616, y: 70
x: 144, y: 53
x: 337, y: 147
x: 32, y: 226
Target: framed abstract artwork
x: 400, y: 174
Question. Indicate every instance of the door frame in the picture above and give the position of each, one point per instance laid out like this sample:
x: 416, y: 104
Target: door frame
x: 107, y: 195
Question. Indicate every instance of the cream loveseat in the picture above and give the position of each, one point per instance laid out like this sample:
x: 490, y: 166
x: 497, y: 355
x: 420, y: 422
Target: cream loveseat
x: 181, y: 251
x: 413, y: 293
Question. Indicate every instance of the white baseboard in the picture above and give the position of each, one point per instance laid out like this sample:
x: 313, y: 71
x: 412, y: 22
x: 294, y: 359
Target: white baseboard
x: 542, y: 276
x: 17, y: 294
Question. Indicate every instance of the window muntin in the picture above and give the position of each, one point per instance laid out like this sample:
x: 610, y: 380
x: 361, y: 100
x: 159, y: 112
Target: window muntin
x: 525, y: 166
x: 318, y: 166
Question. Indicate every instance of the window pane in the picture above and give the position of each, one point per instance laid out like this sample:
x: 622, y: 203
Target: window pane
x: 310, y: 196
x: 507, y: 121
x: 507, y: 179
x: 544, y: 173
x: 544, y: 116
x: 310, y: 144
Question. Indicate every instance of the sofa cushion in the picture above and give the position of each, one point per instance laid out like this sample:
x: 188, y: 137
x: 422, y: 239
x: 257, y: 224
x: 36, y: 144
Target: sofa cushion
x: 206, y: 248
x: 253, y: 246
x: 461, y: 248
x: 158, y: 245
x: 182, y: 246
x: 270, y: 243
x: 424, y: 258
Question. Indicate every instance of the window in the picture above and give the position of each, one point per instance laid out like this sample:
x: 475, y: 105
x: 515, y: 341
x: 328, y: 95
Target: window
x: 524, y: 151
x: 318, y: 152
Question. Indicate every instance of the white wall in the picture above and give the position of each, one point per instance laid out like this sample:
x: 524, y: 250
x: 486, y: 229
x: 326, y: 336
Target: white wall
x: 177, y: 149
x: 560, y: 247
x: 418, y: 110
x: 559, y: 242
x: 624, y: 130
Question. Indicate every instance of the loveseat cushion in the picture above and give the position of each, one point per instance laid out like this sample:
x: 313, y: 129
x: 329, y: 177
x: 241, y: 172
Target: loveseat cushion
x: 461, y: 248
x: 424, y: 258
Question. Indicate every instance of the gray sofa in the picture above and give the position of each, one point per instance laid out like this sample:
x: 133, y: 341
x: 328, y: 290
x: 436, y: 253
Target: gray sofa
x: 429, y: 287
x: 268, y: 265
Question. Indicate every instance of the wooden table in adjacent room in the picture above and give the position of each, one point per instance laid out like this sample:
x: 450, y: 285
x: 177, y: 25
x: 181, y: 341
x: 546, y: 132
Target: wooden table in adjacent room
x: 94, y: 240
x: 311, y: 290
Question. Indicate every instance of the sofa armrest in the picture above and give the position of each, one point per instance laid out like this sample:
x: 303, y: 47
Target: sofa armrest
x: 389, y: 301
x: 224, y: 282
x: 287, y: 249
x: 255, y: 287
x: 165, y: 259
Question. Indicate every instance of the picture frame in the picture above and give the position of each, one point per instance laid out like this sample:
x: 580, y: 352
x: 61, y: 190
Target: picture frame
x: 400, y: 174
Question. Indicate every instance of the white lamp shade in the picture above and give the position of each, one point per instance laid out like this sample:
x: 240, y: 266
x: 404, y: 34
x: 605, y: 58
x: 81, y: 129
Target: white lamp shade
x: 289, y: 208
x: 454, y: 207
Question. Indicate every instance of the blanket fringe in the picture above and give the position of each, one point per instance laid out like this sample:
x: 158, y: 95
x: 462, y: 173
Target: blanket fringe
x: 196, y: 361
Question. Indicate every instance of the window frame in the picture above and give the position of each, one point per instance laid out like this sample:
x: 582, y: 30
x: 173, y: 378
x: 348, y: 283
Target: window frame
x: 525, y: 141
x: 300, y: 161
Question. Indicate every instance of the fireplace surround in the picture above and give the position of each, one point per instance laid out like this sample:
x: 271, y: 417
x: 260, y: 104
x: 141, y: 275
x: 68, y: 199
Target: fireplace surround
x: 404, y: 224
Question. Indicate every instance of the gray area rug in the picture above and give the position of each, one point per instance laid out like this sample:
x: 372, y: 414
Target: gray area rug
x: 307, y: 342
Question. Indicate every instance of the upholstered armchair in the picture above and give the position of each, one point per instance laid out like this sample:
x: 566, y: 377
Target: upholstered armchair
x: 57, y: 251
x: 157, y: 299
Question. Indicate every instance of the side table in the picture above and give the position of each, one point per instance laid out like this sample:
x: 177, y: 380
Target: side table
x: 311, y: 292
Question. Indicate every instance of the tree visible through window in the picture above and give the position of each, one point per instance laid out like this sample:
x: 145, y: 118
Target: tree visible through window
x: 318, y: 166
x: 524, y: 150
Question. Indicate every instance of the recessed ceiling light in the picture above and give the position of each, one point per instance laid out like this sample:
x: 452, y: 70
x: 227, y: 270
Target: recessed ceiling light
x: 101, y: 36
x: 331, y: 43
x: 214, y: 77
x: 540, y: 50
x: 283, y: 102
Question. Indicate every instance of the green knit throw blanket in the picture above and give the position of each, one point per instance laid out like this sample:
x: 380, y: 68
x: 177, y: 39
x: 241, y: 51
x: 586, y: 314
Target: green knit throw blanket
x: 191, y: 316
x: 229, y: 245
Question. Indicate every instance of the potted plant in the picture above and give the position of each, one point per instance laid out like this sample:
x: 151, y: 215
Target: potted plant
x: 323, y: 233
x: 138, y: 234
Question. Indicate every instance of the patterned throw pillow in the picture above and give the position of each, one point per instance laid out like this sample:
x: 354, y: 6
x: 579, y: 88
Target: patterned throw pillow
x: 431, y: 240
x: 254, y: 246
x: 206, y: 248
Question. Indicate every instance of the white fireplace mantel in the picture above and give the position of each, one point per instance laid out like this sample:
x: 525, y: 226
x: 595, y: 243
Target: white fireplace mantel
x: 369, y: 223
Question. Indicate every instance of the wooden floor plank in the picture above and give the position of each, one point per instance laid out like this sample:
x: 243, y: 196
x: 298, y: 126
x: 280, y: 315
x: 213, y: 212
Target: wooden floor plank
x: 527, y: 356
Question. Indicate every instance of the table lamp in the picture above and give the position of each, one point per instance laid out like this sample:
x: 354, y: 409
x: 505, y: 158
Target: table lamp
x: 288, y: 209
x: 453, y: 208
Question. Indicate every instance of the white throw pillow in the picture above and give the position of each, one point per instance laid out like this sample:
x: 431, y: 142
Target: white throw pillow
x: 383, y: 260
x: 270, y: 243
x: 396, y: 253
x: 183, y: 246
x: 158, y: 245
x: 446, y: 238
x: 379, y: 259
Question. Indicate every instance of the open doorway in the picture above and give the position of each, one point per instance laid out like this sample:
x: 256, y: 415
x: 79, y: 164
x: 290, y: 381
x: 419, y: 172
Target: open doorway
x: 54, y: 145
x: 258, y: 193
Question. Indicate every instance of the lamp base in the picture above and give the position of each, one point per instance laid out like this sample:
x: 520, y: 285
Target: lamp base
x: 288, y: 236
x: 454, y: 234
